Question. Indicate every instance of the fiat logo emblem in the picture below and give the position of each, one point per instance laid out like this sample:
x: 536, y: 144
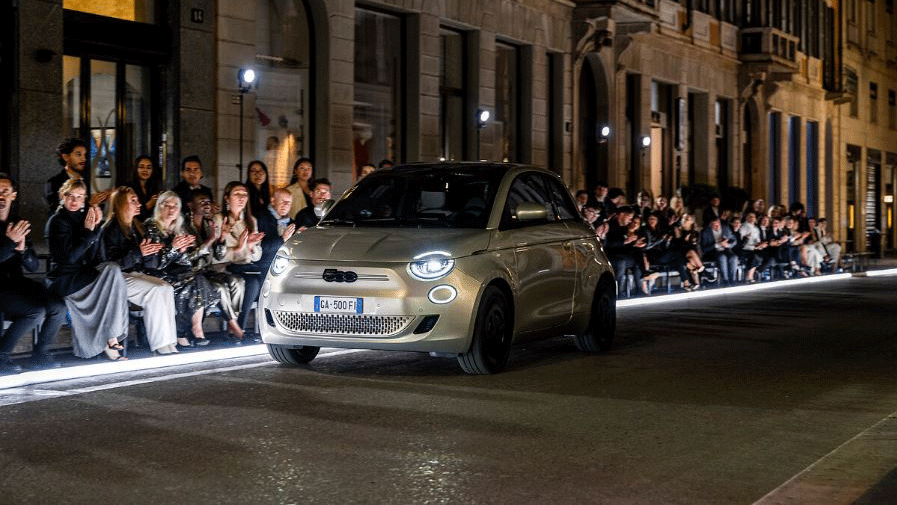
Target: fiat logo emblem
x: 334, y: 275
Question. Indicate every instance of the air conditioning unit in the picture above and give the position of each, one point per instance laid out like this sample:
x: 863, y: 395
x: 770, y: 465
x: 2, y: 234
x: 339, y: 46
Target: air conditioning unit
x: 659, y: 118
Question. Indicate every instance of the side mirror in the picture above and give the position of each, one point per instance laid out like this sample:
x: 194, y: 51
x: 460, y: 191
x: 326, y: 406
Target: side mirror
x: 530, y: 211
x: 327, y: 205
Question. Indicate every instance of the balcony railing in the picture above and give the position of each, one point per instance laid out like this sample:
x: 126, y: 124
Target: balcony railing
x: 770, y: 46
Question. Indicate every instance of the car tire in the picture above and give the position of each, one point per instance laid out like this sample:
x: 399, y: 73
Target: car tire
x: 491, y: 343
x: 293, y: 356
x: 602, y: 322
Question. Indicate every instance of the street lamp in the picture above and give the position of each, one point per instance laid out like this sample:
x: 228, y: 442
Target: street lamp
x: 603, y: 133
x: 646, y: 142
x: 246, y: 79
x: 483, y: 116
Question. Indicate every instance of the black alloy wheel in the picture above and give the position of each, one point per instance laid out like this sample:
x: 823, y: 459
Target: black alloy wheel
x: 492, y: 333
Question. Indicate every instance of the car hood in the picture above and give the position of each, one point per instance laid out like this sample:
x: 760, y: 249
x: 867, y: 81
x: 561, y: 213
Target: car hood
x: 383, y: 244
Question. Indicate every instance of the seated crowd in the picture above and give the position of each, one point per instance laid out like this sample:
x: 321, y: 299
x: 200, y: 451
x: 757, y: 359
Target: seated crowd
x: 659, y: 236
x: 176, y: 255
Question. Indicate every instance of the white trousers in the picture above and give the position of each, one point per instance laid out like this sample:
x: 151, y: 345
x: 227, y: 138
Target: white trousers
x: 832, y: 249
x: 157, y: 299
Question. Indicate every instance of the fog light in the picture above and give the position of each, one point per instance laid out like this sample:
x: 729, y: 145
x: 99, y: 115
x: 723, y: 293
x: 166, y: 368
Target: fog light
x: 442, y: 294
x: 266, y: 288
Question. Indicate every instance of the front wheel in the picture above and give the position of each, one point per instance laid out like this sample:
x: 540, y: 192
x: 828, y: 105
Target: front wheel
x: 491, y: 343
x: 602, y: 322
x: 293, y: 356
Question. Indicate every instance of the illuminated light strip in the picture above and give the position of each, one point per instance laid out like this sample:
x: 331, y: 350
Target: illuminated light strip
x: 881, y: 273
x: 192, y: 357
x: 710, y: 293
x: 136, y: 365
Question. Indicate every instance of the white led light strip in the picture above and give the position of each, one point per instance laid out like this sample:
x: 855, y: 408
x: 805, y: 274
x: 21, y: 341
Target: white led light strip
x: 206, y: 356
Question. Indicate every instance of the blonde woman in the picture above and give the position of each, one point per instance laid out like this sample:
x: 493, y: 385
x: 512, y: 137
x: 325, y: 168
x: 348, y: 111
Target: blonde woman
x: 125, y: 243
x: 95, y: 293
x: 193, y: 294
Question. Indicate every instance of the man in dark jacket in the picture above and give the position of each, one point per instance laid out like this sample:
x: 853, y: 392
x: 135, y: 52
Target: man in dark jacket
x: 623, y: 249
x: 309, y: 216
x: 191, y: 175
x: 717, y: 242
x: 23, y: 301
x: 275, y: 222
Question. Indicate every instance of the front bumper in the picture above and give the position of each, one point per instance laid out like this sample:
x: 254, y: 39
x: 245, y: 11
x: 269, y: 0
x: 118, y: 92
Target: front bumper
x: 396, y: 311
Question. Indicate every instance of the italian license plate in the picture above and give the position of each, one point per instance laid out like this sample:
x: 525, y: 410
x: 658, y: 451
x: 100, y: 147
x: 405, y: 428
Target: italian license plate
x: 339, y: 304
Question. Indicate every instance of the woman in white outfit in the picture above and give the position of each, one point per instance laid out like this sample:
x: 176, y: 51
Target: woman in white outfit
x: 124, y: 242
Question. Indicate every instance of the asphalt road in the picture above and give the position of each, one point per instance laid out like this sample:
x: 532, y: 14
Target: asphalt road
x: 782, y: 396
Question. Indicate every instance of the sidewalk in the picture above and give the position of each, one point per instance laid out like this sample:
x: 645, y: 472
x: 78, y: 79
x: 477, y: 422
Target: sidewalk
x: 219, y: 349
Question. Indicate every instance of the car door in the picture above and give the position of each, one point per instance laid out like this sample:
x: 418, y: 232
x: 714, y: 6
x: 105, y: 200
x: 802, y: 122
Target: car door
x: 582, y: 238
x: 544, y: 261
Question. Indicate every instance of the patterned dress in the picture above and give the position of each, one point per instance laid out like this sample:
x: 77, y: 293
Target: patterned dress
x: 192, y: 290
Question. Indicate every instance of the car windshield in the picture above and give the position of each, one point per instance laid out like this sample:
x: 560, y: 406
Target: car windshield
x: 424, y: 198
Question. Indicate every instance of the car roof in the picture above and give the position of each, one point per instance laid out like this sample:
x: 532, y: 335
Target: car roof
x: 472, y: 166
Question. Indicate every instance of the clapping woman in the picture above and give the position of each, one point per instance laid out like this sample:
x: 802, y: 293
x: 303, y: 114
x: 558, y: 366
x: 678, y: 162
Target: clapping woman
x: 242, y: 241
x: 124, y: 242
x: 193, y: 294
x: 95, y: 294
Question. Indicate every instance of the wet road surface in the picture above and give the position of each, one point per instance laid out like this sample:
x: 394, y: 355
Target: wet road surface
x: 786, y: 395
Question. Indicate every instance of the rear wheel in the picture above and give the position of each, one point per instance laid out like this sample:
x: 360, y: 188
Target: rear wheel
x: 293, y: 356
x: 491, y: 343
x: 602, y: 322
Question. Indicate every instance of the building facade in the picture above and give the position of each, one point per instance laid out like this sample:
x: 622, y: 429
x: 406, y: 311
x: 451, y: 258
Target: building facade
x: 342, y: 83
x: 783, y: 100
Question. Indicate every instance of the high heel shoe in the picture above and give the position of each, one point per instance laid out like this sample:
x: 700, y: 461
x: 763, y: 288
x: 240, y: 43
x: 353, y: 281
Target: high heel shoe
x: 113, y: 354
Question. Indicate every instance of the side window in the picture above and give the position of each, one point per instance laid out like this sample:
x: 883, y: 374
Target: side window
x: 562, y: 201
x: 526, y: 188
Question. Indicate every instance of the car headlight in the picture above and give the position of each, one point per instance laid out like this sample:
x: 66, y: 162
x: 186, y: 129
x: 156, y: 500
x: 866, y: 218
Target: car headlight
x: 279, y: 264
x: 431, y: 265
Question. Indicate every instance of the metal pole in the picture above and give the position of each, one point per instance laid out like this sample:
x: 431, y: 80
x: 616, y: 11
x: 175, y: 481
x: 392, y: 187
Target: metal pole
x: 240, y: 164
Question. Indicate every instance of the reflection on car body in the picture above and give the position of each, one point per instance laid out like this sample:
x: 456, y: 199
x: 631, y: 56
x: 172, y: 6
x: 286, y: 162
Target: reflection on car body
x: 457, y: 259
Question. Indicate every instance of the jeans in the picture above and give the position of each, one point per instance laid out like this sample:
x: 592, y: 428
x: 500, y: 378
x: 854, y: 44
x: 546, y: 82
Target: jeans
x: 253, y: 276
x: 727, y: 262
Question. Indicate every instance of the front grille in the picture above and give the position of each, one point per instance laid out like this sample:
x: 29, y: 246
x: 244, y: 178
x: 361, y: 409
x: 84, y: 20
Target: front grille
x: 342, y: 324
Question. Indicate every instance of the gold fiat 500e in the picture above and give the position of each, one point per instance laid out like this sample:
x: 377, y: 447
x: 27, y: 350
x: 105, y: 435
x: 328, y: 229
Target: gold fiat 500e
x: 454, y: 259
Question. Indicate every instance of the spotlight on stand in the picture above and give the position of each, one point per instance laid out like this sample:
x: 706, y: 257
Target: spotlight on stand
x: 246, y: 80
x: 483, y: 116
x: 246, y: 77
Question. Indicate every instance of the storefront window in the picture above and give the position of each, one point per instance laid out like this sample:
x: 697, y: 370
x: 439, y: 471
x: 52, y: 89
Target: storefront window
x: 377, y: 124
x: 102, y: 124
x: 141, y: 11
x: 507, y: 100
x: 91, y: 105
x: 452, y: 75
x: 282, y: 97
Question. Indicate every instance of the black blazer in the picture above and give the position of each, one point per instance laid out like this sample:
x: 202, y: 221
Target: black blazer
x: 272, y: 241
x: 74, y: 251
x: 123, y: 250
x: 306, y: 217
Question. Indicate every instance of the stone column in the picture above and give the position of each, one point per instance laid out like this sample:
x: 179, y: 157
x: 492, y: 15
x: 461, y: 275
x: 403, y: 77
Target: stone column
x: 37, y: 118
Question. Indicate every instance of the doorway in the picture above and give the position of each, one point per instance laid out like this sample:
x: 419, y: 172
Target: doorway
x: 110, y: 105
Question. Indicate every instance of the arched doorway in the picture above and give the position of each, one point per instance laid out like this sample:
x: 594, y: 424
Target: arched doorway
x: 594, y: 115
